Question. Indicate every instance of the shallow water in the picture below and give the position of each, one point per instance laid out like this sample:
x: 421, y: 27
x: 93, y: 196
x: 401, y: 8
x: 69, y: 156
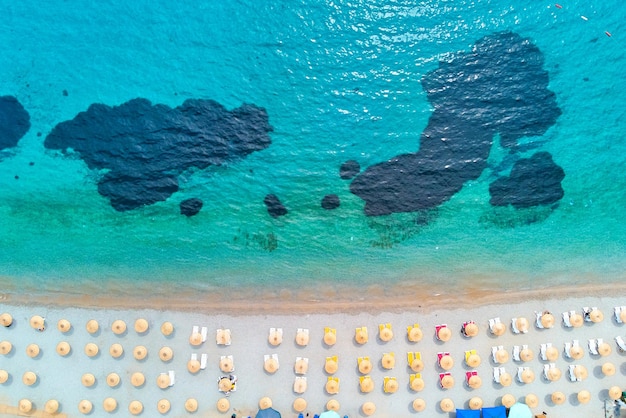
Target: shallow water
x: 339, y: 81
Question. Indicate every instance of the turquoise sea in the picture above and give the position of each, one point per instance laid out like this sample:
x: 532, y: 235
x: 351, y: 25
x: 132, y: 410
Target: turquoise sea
x: 340, y: 81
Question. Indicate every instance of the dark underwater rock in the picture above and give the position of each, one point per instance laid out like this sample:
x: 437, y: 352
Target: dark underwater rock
x: 349, y: 169
x: 191, y: 207
x: 14, y: 122
x: 274, y: 207
x: 331, y: 201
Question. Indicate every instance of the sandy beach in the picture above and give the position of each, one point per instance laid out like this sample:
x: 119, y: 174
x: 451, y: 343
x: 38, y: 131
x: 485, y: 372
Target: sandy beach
x: 249, y: 323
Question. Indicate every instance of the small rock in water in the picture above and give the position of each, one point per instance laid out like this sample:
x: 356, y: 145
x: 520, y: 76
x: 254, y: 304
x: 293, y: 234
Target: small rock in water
x: 330, y: 202
x: 274, y: 207
x: 190, y: 207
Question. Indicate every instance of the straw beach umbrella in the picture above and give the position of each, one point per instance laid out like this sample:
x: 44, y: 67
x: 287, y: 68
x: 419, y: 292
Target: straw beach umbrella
x: 417, y: 365
x: 113, y: 379
x: 388, y: 361
x: 547, y: 320
x: 332, y: 387
x: 330, y: 336
x: 302, y: 337
x: 118, y: 327
x: 415, y: 334
x: 419, y: 405
x: 265, y: 403
x: 223, y: 405
x: 301, y: 366
x: 576, y: 352
x: 444, y: 334
x: 193, y: 366
x: 226, y: 364
x: 508, y: 400
x: 141, y: 326
x: 6, y: 319
x: 4, y: 376
x: 116, y: 350
x: 333, y: 405
x: 38, y: 322
x: 475, y: 403
x: 522, y: 324
x: 195, y: 339
x: 91, y: 349
x: 446, y: 362
x: 63, y: 348
x: 446, y: 405
x: 109, y: 404
x: 167, y: 328
x: 474, y: 382
x: 604, y: 349
x: 270, y: 365
x: 366, y: 384
x: 29, y: 378
x: 528, y: 376
x: 506, y: 379
x: 558, y: 398
x: 615, y: 392
x: 275, y: 336
x: 526, y: 354
x: 331, y: 365
x: 166, y: 354
x: 51, y: 406
x: 135, y: 408
x: 391, y: 386
x: 417, y: 384
x: 473, y: 360
x: 361, y: 336
x: 596, y: 316
x: 447, y: 382
x: 498, y: 329
x: 137, y: 379
x: 365, y: 365
x: 163, y: 381
x: 368, y: 408
x: 88, y: 380
x: 92, y: 326
x: 299, y: 404
x: 32, y: 350
x: 584, y: 396
x: 576, y: 320
x: 25, y: 406
x: 225, y: 385
x: 608, y: 369
x: 471, y: 329
x: 554, y: 374
x: 502, y: 356
x: 580, y: 372
x: 140, y: 352
x: 531, y: 400
x: 85, y: 406
x: 5, y: 347
x: 64, y: 325
x: 385, y: 333
x: 163, y: 406
x: 552, y: 353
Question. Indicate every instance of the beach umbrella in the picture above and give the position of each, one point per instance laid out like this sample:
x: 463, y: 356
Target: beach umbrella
x: 554, y: 374
x: 531, y: 400
x: 299, y: 385
x: 116, y: 350
x: 419, y: 405
x: 223, y: 405
x: 604, y: 349
x: 365, y: 366
x: 608, y: 369
x: 299, y: 404
x: 368, y: 408
x: 415, y: 334
x: 5, y: 347
x: 302, y: 337
x: 615, y: 392
x: 508, y: 400
x: 51, y: 406
x: 446, y: 405
x: 195, y: 339
x: 137, y: 379
x: 332, y: 405
x: 118, y: 327
x: 385, y: 334
x: 388, y: 361
x: 4, y: 376
x: 163, y: 405
x: 580, y: 372
x: 332, y: 387
x: 166, y: 354
x: 447, y: 382
x: 474, y: 382
x: 596, y: 316
x: 6, y: 319
x: 222, y: 337
x: 444, y: 334
x: 506, y: 379
x: 265, y: 403
x: 552, y: 353
x: 361, y: 336
x: 526, y: 354
x: 64, y: 325
x: 113, y: 379
x: 25, y: 406
x: 331, y: 365
x: 29, y: 378
x: 446, y: 362
x: 191, y: 405
x: 576, y: 320
x: 498, y: 329
x: 88, y: 380
x: 268, y: 413
x: 109, y: 404
x: 366, y: 384
x: 163, y: 380
x: 225, y: 384
x: 417, y: 384
x: 547, y: 320
x: 520, y: 410
x: 85, y: 406
x: 502, y: 356
x: 522, y: 324
x: 301, y: 366
x: 32, y: 350
x: 473, y: 360
x: 140, y: 352
x: 92, y: 326
x: 558, y: 398
x: 576, y: 352
x: 584, y: 396
x: 528, y: 376
x: 38, y: 322
x: 275, y: 337
x: 141, y: 326
x: 471, y: 329
x: 193, y: 366
x: 494, y: 412
x: 91, y: 349
x: 330, y: 337
x: 270, y: 365
x: 475, y: 403
x: 391, y: 386
x: 135, y: 407
x: 167, y: 328
x: 226, y: 364
x: 622, y: 315
x: 417, y: 365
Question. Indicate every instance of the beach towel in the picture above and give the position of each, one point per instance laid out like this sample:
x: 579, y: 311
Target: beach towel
x: 467, y: 413
x: 494, y: 412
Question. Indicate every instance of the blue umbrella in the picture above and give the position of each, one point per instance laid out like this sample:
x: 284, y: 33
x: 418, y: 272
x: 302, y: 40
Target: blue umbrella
x: 520, y: 410
x: 494, y: 412
x: 467, y: 413
x: 330, y: 414
x: 268, y: 413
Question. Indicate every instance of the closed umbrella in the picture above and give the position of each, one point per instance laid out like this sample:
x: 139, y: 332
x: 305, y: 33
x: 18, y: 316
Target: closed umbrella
x: 163, y: 405
x: 141, y: 326
x: 116, y: 350
x: 92, y: 326
x: 64, y: 325
x: 118, y: 327
x: 299, y: 384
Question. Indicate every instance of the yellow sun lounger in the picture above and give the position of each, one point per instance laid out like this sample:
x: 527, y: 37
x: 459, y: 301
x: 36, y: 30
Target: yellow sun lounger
x: 412, y: 356
x: 383, y: 326
x: 332, y: 385
x: 469, y: 353
x: 390, y: 384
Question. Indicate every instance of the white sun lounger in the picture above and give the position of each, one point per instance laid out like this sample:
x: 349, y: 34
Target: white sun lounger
x: 513, y: 327
x: 621, y: 345
x: 618, y: 310
x: 302, y: 381
x: 195, y: 329
x: 172, y: 377
x: 194, y: 356
x: 496, y: 374
x: 542, y: 351
x: 494, y: 350
x: 566, y: 321
x: 493, y: 322
x: 203, y: 360
x: 572, y: 374
x: 520, y: 370
x: 566, y: 349
x: 516, y: 351
x: 538, y: 319
x: 203, y: 333
x: 546, y: 369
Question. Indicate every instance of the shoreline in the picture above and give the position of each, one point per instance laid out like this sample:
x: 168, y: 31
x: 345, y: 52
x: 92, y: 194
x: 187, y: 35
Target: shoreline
x: 250, y: 301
